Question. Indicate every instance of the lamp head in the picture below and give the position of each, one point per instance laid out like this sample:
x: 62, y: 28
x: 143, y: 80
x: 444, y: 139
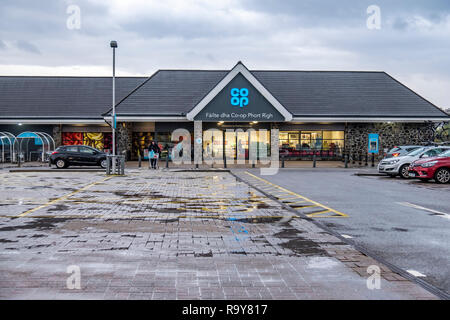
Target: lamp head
x: 113, y: 44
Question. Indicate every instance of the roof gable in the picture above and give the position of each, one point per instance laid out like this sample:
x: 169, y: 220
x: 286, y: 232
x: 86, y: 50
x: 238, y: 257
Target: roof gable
x: 240, y: 78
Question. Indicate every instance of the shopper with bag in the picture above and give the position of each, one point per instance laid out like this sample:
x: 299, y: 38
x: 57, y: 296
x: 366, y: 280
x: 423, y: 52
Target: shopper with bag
x: 153, y: 153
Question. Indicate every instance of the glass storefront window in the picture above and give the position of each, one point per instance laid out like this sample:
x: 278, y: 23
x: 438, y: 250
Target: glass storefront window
x: 326, y: 140
x: 237, y: 144
x: 140, y: 143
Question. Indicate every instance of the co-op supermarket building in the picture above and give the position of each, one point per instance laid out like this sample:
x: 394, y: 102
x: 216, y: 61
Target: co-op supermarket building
x: 332, y: 112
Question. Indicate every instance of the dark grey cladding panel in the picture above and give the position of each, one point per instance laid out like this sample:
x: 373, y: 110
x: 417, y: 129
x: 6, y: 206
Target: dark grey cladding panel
x: 236, y: 125
x: 171, y: 126
x: 310, y: 126
x: 61, y: 97
x: 251, y: 105
x: 15, y: 129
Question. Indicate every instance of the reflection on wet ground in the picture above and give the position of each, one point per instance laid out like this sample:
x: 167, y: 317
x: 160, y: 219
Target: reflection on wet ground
x: 167, y: 235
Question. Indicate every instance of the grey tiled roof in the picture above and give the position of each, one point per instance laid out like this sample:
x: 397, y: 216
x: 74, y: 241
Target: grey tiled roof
x: 303, y: 93
x: 176, y: 92
x: 61, y: 97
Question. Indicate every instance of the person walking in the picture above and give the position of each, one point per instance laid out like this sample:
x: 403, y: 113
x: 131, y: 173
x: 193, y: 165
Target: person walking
x: 153, y: 153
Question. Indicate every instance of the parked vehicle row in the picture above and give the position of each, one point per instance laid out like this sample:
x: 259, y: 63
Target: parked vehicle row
x: 424, y: 163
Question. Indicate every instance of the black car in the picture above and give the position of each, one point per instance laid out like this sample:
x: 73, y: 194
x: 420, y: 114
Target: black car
x: 65, y: 156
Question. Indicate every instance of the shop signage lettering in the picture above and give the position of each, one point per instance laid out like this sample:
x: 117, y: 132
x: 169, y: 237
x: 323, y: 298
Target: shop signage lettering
x: 239, y: 97
x: 224, y: 116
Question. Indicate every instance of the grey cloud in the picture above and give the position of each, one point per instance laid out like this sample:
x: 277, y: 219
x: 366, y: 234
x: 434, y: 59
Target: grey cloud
x: 27, y: 46
x: 288, y: 34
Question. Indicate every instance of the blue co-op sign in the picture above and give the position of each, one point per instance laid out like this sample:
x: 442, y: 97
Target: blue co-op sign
x: 239, y: 97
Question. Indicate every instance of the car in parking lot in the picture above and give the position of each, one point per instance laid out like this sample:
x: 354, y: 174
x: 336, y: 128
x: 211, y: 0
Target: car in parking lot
x: 399, y: 165
x: 400, y: 151
x: 66, y: 156
x: 437, y: 168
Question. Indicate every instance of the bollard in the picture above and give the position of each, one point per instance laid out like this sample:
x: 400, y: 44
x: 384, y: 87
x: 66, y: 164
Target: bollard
x: 139, y: 161
x: 346, y: 160
x: 282, y: 161
x: 167, y: 161
x: 365, y: 163
x: 224, y: 161
x: 373, y: 160
x: 314, y: 160
x: 115, y: 165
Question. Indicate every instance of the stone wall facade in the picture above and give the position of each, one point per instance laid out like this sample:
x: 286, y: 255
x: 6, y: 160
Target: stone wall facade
x: 124, y: 133
x: 57, y: 135
x: 391, y: 134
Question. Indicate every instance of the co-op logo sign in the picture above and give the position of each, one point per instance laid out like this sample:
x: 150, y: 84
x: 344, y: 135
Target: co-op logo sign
x: 239, y: 97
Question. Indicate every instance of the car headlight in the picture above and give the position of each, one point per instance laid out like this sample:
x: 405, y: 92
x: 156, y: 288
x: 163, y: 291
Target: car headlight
x: 428, y: 164
x: 393, y: 161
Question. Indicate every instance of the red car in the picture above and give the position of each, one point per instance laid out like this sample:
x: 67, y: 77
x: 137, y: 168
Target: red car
x: 437, y: 168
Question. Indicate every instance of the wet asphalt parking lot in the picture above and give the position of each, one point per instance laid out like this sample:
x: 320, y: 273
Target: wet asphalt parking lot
x: 406, y: 222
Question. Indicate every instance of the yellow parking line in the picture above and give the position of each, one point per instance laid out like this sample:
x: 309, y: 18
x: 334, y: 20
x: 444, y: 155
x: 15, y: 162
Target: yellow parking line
x: 63, y: 197
x: 318, y: 212
x: 309, y: 206
x: 305, y: 198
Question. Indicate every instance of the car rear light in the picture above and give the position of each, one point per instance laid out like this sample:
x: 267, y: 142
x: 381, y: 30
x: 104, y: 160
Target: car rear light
x: 54, y: 152
x: 396, y: 154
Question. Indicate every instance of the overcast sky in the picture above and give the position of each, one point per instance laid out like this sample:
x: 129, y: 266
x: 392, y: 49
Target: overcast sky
x: 412, y: 43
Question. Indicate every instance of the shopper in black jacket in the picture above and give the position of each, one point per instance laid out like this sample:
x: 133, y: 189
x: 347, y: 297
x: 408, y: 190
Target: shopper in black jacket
x: 157, y: 151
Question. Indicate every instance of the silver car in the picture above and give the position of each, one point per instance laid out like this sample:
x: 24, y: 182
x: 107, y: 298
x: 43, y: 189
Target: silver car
x: 399, y: 165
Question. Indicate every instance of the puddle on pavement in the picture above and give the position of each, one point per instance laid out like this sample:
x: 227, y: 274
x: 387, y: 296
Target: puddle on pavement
x: 58, y: 207
x: 36, y: 223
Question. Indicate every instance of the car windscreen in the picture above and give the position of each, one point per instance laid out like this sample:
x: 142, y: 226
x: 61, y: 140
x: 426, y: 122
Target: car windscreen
x: 394, y: 149
x: 416, y: 152
x: 446, y: 153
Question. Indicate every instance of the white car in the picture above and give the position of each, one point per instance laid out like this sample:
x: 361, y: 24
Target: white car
x: 399, y: 165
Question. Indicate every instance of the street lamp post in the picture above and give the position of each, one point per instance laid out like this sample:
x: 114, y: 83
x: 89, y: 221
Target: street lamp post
x: 113, y: 45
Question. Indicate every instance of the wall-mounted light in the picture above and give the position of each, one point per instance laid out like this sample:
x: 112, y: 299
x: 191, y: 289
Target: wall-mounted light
x: 254, y: 122
x: 19, y: 124
x: 220, y: 123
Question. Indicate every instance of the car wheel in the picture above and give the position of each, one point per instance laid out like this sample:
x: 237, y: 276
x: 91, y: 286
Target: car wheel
x: 60, y: 163
x: 442, y: 175
x: 404, y: 172
x: 103, y: 163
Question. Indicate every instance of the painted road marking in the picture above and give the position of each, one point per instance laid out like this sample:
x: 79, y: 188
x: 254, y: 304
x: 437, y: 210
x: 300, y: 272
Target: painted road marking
x: 415, y: 273
x: 63, y: 197
x: 441, y: 214
x: 336, y: 214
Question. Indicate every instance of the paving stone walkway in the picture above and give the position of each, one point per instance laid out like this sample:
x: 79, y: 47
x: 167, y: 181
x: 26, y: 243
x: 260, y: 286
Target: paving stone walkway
x: 171, y: 235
